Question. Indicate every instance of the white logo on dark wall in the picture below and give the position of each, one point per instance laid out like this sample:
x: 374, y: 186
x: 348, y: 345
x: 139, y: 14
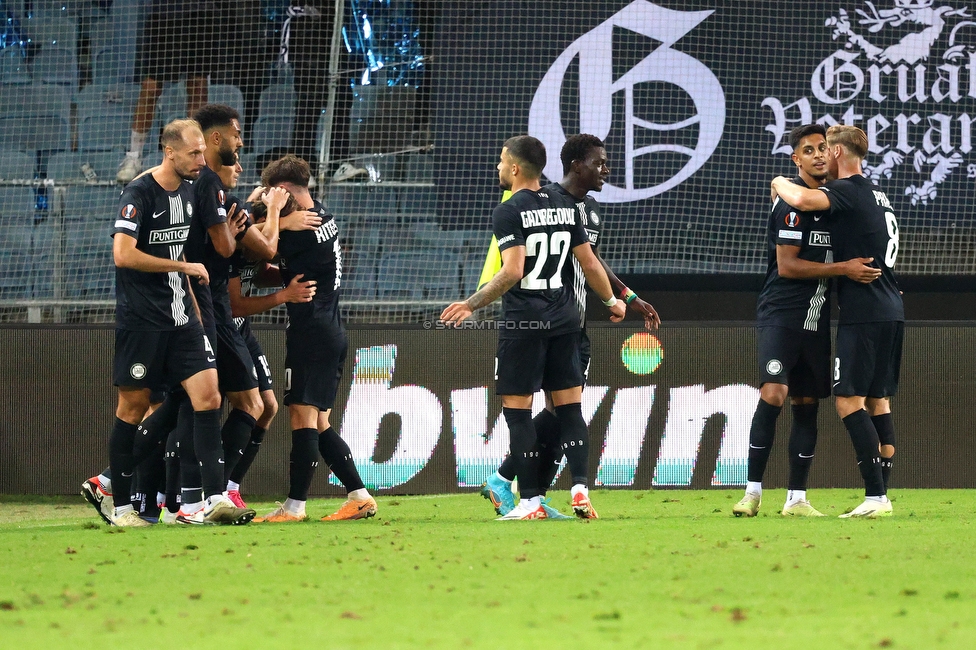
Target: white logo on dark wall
x: 597, y: 88
x: 927, y: 66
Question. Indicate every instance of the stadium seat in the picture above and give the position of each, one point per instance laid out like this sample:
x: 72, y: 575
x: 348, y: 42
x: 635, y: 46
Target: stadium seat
x: 35, y: 118
x: 270, y: 132
x: 13, y: 66
x: 358, y: 275
x: 277, y: 100
x: 417, y: 200
x: 105, y: 116
x: 227, y: 94
x: 112, y: 64
x: 251, y: 175
x: 17, y: 203
x: 16, y: 165
x: 397, y: 277
x: 56, y: 65
x: 429, y: 275
x: 86, y: 202
x: 16, y: 270
x: 73, y: 259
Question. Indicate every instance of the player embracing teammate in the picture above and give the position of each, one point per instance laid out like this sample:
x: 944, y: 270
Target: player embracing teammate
x: 862, y: 224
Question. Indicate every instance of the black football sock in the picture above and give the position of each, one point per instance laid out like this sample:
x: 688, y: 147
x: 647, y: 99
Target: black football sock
x: 302, y: 462
x: 524, y: 450
x: 122, y: 461
x: 865, y: 439
x: 250, y: 453
x: 150, y: 479
x: 550, y: 450
x: 761, y: 435
x: 206, y: 444
x: 154, y: 429
x: 574, y: 440
x: 235, y: 435
x: 191, y: 484
x: 172, y: 458
x: 886, y: 436
x: 508, y: 469
x: 803, y: 442
x: 338, y: 457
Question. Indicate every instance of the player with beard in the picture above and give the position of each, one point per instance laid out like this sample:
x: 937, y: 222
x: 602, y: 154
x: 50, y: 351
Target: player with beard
x: 316, y: 347
x: 584, y: 159
x: 215, y: 230
x: 793, y: 329
x: 870, y: 330
x: 536, y: 229
x: 159, y: 338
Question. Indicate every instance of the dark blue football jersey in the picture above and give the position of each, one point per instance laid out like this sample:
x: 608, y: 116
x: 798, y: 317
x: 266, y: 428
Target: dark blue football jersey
x: 862, y: 223
x: 786, y: 302
x: 160, y: 222
x: 591, y: 217
x: 209, y: 209
x: 316, y: 255
x: 549, y: 226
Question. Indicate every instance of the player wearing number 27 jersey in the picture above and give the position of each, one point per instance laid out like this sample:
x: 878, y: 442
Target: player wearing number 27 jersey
x: 862, y: 223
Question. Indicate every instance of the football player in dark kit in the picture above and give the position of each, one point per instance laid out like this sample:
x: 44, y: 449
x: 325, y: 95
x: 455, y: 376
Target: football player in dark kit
x: 793, y: 329
x: 584, y: 159
x: 872, y: 318
x: 216, y: 228
x: 538, y: 347
x: 315, y: 344
x: 159, y: 338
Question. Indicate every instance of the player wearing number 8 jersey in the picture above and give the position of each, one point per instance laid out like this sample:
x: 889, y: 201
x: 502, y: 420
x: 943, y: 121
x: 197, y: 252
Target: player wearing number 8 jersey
x: 871, y: 326
x: 538, y: 346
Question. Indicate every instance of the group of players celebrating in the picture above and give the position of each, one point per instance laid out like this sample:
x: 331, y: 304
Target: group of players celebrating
x: 188, y: 253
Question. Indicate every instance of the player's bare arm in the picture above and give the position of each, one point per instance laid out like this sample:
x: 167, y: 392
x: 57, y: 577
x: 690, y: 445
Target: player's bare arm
x: 127, y: 256
x: 651, y: 320
x: 597, y: 278
x: 513, y: 267
x: 241, y: 305
x: 300, y: 220
x: 801, y: 198
x: 790, y: 265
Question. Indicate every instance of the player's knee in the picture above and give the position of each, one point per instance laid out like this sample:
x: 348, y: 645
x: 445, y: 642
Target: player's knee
x: 887, y: 451
x: 270, y: 407
x: 774, y: 394
x: 132, y: 406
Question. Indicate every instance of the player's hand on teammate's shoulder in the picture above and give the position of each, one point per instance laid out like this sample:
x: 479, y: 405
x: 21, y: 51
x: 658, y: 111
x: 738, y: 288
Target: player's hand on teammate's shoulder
x: 651, y: 319
x: 456, y: 312
x: 772, y: 187
x: 857, y: 269
x: 298, y: 291
x: 301, y: 220
x: 197, y: 270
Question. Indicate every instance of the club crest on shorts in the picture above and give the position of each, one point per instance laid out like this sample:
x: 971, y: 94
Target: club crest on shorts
x: 792, y: 220
x: 137, y: 371
x: 774, y: 367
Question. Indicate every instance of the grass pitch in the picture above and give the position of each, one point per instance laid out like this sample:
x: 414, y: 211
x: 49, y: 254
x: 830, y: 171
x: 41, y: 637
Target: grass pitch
x: 662, y: 569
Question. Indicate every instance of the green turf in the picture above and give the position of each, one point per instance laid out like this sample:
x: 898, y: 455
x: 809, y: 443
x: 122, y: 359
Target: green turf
x: 662, y: 569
